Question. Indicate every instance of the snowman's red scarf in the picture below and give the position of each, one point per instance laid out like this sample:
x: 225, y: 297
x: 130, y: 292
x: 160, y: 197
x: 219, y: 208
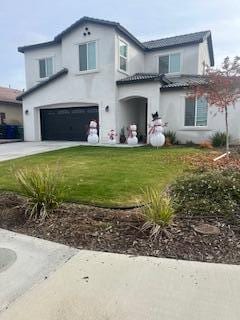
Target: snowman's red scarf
x: 153, y: 128
x: 130, y: 135
x: 112, y: 136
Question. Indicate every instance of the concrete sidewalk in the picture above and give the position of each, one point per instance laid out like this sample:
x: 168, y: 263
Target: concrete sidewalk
x: 35, y: 260
x: 16, y: 150
x: 105, y: 286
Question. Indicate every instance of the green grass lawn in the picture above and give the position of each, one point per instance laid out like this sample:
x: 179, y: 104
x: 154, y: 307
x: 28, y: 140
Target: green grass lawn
x: 105, y: 176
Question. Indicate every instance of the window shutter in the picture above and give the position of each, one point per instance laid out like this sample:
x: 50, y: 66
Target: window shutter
x: 83, y: 57
x: 202, y: 111
x: 42, y: 68
x: 49, y: 67
x: 174, y: 62
x: 189, y: 112
x: 91, y: 55
x: 164, y: 64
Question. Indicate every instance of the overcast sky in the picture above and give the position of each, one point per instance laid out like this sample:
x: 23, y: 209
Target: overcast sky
x: 25, y: 22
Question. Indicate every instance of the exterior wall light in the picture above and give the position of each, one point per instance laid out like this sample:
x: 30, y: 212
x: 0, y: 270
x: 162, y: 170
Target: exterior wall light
x: 107, y: 108
x: 26, y: 111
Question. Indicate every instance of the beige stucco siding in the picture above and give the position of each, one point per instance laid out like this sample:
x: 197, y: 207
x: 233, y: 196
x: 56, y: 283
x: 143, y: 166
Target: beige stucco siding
x: 13, y: 112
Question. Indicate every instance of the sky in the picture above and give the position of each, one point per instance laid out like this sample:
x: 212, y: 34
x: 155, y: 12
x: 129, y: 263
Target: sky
x: 24, y: 22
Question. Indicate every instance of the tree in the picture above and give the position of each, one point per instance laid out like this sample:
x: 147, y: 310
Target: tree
x: 221, y: 87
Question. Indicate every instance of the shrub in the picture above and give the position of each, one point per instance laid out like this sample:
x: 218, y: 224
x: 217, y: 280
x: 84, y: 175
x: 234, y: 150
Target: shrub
x: 190, y: 143
x: 170, y: 137
x: 205, y: 145
x: 43, y: 188
x: 219, y: 139
x: 208, y: 193
x: 157, y: 212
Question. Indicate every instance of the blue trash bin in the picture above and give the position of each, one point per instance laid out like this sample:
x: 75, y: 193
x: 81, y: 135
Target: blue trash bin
x: 11, y: 132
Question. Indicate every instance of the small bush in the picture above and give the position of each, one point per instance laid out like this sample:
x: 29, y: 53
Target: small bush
x: 190, y: 143
x: 205, y: 145
x: 171, y: 137
x: 219, y: 139
x: 43, y: 188
x: 157, y: 212
x: 215, y: 192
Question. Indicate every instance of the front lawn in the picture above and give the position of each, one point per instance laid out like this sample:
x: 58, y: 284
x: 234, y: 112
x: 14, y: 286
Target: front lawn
x: 105, y: 176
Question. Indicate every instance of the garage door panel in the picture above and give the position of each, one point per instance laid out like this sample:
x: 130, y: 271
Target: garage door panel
x: 67, y: 123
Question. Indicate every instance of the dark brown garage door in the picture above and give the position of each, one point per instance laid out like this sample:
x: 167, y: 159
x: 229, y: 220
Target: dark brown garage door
x: 67, y: 123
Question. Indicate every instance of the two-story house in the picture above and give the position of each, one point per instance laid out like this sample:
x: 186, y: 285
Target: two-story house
x: 96, y: 69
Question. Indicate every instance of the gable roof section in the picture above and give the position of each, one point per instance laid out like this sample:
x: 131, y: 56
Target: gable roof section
x: 182, y: 40
x: 9, y: 95
x: 43, y: 83
x: 80, y: 22
x: 189, y: 38
x: 168, y: 82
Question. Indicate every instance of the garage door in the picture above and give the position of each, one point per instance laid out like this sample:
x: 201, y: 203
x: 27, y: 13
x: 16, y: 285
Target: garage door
x: 67, y: 123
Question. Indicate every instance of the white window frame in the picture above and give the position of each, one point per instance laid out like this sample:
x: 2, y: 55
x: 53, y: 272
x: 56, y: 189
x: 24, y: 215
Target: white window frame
x: 53, y: 67
x: 169, y: 61
x: 87, y: 70
x: 120, y: 56
x: 195, y: 116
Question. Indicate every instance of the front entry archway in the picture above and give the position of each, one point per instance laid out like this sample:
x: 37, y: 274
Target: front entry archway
x: 133, y: 110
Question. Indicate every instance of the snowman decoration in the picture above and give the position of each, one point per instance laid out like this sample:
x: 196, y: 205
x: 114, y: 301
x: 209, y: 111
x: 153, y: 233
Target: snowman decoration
x: 112, y: 137
x: 92, y: 132
x: 157, y: 138
x: 132, y: 135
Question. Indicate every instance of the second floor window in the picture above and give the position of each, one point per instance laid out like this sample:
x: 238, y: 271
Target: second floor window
x: 45, y: 67
x: 196, y: 112
x: 87, y: 56
x: 169, y: 63
x: 123, y: 56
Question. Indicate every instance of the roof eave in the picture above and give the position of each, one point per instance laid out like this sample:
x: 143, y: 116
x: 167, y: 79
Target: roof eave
x: 42, y: 84
x: 175, y: 45
x: 10, y: 102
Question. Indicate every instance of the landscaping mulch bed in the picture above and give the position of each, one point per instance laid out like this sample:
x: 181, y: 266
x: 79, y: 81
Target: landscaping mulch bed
x: 119, y: 231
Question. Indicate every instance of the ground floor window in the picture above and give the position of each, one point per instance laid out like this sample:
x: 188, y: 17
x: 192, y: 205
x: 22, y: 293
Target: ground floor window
x: 196, y: 111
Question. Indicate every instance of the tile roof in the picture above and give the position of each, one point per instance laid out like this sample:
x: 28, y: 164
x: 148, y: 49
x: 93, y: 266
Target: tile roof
x: 167, y: 81
x: 184, y: 81
x: 185, y: 39
x: 83, y: 20
x: 138, y: 77
x: 9, y: 95
x: 182, y: 40
x: 43, y: 83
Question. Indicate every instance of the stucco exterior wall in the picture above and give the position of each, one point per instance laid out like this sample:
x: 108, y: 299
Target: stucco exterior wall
x: 135, y: 58
x: 13, y: 113
x: 32, y: 64
x: 172, y: 110
x: 203, y: 56
x: 87, y: 88
x: 189, y: 59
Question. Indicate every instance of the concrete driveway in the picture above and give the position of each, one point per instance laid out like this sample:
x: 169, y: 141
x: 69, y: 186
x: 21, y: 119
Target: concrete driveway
x: 21, y: 149
x: 105, y: 286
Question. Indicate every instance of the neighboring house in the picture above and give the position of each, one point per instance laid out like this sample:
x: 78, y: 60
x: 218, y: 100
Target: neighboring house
x: 10, y: 108
x: 96, y: 69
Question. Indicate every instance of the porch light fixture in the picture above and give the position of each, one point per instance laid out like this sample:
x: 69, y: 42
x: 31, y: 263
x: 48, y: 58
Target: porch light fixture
x: 107, y: 108
x: 26, y: 111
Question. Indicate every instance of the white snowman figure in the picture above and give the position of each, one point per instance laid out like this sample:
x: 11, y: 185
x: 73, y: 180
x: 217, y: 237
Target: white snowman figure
x: 157, y: 138
x: 112, y: 137
x: 92, y: 133
x: 132, y: 135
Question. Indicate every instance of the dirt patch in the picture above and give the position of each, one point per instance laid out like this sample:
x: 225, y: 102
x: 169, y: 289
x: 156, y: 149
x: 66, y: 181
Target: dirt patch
x: 119, y: 231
